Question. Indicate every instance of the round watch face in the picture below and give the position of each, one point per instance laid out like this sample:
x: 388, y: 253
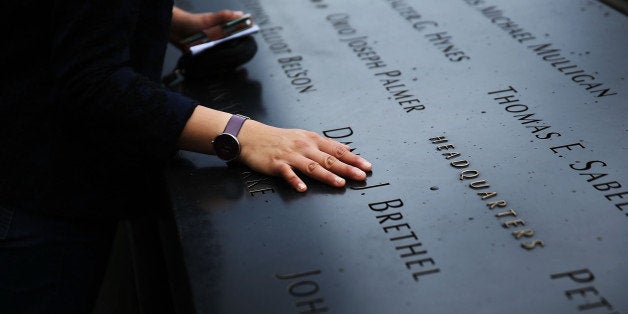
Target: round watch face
x: 226, y: 147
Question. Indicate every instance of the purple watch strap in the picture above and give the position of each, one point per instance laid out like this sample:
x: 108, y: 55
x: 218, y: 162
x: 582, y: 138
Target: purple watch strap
x: 235, y: 124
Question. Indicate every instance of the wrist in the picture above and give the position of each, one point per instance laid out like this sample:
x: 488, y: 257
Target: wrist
x: 226, y: 145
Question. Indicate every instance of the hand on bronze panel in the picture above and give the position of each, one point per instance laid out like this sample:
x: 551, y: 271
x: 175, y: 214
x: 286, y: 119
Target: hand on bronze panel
x: 279, y: 152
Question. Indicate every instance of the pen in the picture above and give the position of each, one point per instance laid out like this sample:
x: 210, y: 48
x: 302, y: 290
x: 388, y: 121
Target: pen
x: 228, y: 29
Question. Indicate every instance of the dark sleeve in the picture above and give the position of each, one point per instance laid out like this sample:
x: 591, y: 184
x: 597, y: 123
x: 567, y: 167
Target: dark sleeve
x: 99, y: 94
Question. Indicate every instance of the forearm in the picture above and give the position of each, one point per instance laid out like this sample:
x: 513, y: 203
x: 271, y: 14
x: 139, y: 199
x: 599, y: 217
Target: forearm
x: 204, y: 125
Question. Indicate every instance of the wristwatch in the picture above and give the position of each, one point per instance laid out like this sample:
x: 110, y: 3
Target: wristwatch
x: 226, y: 145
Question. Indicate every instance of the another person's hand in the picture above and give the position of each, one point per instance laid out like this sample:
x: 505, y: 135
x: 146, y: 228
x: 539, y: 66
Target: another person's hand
x: 279, y: 152
x: 185, y: 24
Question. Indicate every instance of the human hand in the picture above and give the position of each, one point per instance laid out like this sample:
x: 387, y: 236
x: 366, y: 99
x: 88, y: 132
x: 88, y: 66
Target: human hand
x: 279, y: 152
x: 185, y: 24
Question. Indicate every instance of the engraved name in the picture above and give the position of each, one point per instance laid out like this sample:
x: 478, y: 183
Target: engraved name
x: 507, y: 97
x: 292, y: 66
x: 440, y: 39
x: 305, y: 289
x: 340, y: 135
x: 602, y: 185
x: 402, y: 236
x: 274, y: 40
x: 297, y: 74
x: 393, y: 223
x: 544, y: 50
x: 391, y: 80
x: 542, y: 130
x: 584, y: 293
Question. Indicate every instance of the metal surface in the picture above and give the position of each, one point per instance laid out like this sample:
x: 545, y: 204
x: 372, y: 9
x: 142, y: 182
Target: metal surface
x: 420, y: 236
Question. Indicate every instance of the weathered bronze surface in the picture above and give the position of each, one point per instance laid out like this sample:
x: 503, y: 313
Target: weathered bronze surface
x: 498, y: 131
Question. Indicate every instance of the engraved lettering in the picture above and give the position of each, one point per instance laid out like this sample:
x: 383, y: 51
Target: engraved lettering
x: 423, y: 273
x: 607, y: 186
x: 492, y: 205
x: 480, y: 184
x: 545, y: 51
x: 411, y: 235
x: 510, y: 212
x: 523, y: 233
x: 621, y: 195
x: 451, y: 155
x: 338, y: 133
x: 469, y: 174
x: 532, y: 245
x: 438, y: 139
x: 459, y: 163
x: 396, y: 224
x: 448, y: 146
x: 420, y: 262
x: 583, y: 276
x: 507, y: 96
x: 486, y: 195
x: 396, y: 203
x: 368, y: 186
x: 272, y: 36
x: 312, y: 306
x: 396, y: 227
x: 411, y: 250
x: 579, y: 276
x: 568, y: 147
x: 297, y: 275
x: 509, y: 89
x: 513, y: 223
x: 386, y: 217
x: 305, y: 288
x: 443, y: 41
x: 296, y: 73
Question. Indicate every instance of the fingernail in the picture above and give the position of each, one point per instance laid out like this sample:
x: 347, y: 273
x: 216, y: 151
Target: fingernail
x: 340, y: 181
x: 359, y: 173
x: 368, y: 165
x: 238, y: 12
x: 301, y: 187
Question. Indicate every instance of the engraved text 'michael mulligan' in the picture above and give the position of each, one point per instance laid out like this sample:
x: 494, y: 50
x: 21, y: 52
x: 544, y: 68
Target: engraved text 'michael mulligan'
x: 545, y: 50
